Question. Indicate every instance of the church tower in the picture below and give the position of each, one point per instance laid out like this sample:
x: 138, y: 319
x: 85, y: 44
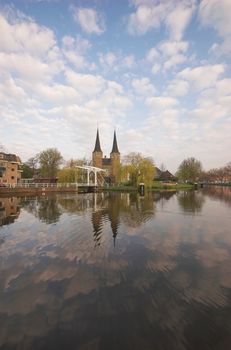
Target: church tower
x: 115, y: 160
x: 97, y: 154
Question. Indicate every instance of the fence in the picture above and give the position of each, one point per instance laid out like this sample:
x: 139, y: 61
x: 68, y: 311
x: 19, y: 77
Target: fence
x: 48, y: 185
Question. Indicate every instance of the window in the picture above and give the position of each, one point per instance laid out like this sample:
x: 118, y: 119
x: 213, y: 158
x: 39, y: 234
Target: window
x: 12, y: 177
x: 12, y: 169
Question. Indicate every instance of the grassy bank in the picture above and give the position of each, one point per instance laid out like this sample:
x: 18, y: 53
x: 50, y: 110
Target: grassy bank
x: 157, y: 186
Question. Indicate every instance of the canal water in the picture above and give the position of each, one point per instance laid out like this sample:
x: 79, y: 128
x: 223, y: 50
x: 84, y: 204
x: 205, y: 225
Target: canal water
x: 116, y: 271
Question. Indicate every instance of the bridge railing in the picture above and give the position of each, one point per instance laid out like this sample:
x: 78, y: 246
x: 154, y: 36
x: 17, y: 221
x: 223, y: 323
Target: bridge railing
x: 48, y: 185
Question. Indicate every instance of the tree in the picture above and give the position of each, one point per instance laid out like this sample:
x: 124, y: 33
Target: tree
x: 73, y: 162
x: 189, y: 170
x: 27, y: 172
x: 138, y: 168
x: 33, y: 163
x: 49, y: 161
x: 30, y: 167
x: 67, y: 175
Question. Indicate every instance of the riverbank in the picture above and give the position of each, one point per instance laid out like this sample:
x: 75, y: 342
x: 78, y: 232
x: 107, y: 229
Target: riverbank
x: 35, y: 191
x: 157, y: 186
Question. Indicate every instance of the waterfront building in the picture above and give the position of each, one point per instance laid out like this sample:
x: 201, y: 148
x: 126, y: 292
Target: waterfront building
x: 10, y: 169
x: 112, y: 164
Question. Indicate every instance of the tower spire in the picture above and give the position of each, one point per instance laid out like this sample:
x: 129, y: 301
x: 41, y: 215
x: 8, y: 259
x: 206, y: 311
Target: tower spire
x: 114, y: 146
x: 97, y: 143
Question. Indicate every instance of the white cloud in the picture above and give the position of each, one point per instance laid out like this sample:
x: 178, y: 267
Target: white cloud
x: 24, y: 36
x: 28, y: 50
x: 25, y: 66
x: 161, y: 102
x: 174, y: 61
x: 129, y: 61
x: 144, y: 19
x: 74, y: 50
x: 202, y: 77
x: 108, y: 59
x: 149, y: 15
x: 167, y: 55
x: 86, y: 84
x: 75, y: 58
x: 216, y: 14
x: 78, y: 44
x: 171, y: 48
x: 143, y: 87
x: 89, y: 20
x: 178, y: 88
x: 178, y: 19
x: 58, y: 94
x: 115, y: 61
x: 156, y: 68
x: 152, y: 55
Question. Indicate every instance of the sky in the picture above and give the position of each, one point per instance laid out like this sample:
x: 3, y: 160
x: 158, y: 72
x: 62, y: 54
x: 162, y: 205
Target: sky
x: 156, y: 71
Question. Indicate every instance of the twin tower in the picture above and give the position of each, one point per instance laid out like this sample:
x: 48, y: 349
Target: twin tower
x: 112, y: 164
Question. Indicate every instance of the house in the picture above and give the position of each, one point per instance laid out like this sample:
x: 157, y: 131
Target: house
x: 164, y: 175
x: 10, y: 169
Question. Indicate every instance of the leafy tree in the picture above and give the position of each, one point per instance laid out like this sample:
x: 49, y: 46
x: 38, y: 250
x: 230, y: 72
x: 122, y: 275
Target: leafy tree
x: 189, y: 170
x: 73, y: 162
x: 138, y: 169
x: 49, y: 161
x: 72, y: 174
x: 67, y: 175
x: 27, y: 172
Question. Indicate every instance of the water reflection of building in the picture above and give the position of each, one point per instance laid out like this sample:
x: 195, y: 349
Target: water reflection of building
x: 117, y: 208
x: 9, y: 210
x: 51, y: 299
x: 222, y: 193
x: 105, y: 209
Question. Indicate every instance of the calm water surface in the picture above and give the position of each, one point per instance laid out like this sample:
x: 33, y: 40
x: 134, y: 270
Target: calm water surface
x: 116, y: 271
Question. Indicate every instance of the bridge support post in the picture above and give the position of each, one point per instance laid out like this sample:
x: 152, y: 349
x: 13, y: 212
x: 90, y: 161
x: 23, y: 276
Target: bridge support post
x: 88, y: 177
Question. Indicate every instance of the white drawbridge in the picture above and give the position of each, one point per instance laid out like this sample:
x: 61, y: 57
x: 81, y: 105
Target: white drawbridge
x: 98, y: 177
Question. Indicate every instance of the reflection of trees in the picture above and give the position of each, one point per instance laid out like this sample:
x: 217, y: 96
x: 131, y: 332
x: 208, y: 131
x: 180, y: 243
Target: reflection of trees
x: 140, y: 210
x: 222, y: 193
x: 170, y: 289
x: 75, y: 203
x: 49, y: 211
x: 46, y: 209
x: 128, y: 208
x: 191, y: 201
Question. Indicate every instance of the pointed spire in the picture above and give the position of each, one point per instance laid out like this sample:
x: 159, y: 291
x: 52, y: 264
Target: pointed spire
x: 114, y: 146
x: 97, y: 143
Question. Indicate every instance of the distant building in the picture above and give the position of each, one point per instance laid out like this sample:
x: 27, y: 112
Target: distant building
x: 10, y: 169
x: 111, y: 164
x: 164, y: 175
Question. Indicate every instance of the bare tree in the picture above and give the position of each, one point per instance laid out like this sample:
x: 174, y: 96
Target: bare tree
x: 2, y: 148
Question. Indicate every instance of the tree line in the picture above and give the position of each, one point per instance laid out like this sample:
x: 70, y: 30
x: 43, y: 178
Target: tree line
x: 135, y: 168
